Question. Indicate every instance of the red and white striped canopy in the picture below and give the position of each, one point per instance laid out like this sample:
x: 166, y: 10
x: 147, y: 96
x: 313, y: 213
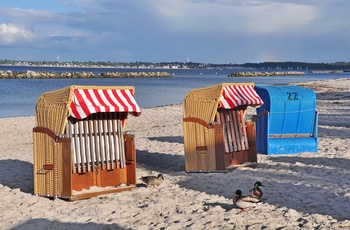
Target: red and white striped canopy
x: 236, y: 95
x: 88, y: 101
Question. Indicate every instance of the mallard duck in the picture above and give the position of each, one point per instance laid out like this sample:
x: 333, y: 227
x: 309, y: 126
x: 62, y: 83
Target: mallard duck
x: 246, y: 201
x: 152, y: 180
x: 256, y: 191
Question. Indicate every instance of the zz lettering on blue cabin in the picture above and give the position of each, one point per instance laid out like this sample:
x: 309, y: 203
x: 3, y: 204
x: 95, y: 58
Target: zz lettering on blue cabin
x: 292, y: 96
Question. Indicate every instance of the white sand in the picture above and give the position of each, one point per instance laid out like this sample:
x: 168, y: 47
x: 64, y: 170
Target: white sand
x: 302, y: 191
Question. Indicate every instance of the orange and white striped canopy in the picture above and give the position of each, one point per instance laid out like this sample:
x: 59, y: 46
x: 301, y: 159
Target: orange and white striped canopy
x: 88, y: 101
x: 237, y: 95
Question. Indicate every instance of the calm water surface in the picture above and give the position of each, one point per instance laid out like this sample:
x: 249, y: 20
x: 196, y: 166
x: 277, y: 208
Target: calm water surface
x: 18, y: 96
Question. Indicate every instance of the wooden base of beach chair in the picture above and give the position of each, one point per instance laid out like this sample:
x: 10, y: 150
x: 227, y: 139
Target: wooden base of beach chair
x: 55, y: 177
x: 212, y: 156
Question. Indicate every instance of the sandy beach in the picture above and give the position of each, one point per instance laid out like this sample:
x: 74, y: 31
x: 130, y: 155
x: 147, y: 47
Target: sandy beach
x: 302, y: 191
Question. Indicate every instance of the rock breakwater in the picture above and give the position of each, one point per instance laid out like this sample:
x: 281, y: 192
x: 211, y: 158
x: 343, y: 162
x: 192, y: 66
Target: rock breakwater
x: 263, y: 74
x: 33, y: 74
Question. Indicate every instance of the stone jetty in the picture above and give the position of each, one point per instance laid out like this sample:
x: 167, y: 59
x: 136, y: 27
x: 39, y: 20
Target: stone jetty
x: 326, y: 71
x: 263, y: 74
x: 33, y: 74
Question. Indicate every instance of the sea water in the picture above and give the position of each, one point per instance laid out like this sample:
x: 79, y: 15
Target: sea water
x: 18, y: 96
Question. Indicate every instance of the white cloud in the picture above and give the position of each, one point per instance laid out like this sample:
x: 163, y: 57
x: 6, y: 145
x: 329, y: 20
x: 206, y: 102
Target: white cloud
x: 30, y: 28
x: 11, y: 34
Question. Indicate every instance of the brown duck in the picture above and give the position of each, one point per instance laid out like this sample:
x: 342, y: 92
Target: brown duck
x: 246, y: 201
x: 152, y: 180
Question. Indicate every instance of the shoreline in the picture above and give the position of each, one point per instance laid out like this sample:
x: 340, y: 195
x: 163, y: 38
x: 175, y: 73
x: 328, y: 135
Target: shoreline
x: 53, y: 75
x: 302, y: 191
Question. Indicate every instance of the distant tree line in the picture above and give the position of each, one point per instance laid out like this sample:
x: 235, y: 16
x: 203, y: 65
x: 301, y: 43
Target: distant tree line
x: 299, y: 65
x: 262, y: 65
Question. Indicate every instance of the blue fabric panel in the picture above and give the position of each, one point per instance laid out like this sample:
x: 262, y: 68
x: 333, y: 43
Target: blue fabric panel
x: 291, y: 145
x: 291, y: 110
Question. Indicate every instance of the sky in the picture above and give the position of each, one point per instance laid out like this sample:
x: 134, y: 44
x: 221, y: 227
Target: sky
x: 204, y: 31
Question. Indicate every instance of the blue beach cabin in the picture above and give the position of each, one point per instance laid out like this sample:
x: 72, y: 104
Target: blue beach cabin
x: 287, y: 122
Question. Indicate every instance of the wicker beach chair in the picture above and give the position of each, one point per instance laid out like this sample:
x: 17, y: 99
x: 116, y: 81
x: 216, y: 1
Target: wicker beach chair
x: 80, y: 149
x: 216, y: 135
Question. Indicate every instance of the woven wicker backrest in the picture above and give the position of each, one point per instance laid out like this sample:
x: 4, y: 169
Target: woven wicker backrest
x: 203, y: 103
x: 52, y: 108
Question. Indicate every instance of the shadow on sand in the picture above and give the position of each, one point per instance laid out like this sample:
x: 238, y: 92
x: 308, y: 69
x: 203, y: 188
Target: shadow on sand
x: 17, y: 174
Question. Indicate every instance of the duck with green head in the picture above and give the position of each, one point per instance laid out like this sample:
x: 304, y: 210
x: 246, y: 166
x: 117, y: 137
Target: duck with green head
x: 256, y: 191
